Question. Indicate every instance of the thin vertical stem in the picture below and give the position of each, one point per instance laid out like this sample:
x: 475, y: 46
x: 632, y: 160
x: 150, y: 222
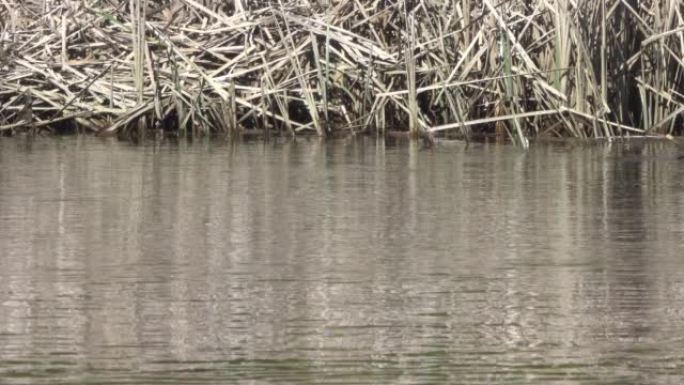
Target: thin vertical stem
x: 411, y: 77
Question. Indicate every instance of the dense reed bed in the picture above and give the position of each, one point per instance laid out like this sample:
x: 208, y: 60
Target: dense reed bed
x: 520, y: 68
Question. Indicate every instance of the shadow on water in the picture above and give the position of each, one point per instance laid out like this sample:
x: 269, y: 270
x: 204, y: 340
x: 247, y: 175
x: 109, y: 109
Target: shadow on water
x: 629, y: 284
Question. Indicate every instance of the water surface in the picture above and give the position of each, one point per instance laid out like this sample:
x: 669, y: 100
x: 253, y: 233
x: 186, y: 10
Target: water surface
x: 341, y: 262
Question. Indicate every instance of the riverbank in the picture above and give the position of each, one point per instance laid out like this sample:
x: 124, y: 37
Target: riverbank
x: 329, y: 67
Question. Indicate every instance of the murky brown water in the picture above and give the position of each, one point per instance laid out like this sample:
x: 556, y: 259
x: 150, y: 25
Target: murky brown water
x: 308, y: 263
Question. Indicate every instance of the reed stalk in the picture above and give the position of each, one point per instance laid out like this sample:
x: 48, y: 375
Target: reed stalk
x: 556, y: 67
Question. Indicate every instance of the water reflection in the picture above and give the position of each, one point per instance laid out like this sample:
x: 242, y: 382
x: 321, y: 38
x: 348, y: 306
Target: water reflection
x: 346, y: 262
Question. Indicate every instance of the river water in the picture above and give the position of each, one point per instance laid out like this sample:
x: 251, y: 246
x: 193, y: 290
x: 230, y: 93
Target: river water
x: 346, y: 262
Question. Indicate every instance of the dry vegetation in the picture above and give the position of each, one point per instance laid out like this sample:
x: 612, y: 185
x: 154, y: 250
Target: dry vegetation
x: 521, y: 68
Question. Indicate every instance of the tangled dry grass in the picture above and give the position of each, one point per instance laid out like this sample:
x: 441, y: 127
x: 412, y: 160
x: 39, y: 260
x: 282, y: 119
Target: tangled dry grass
x: 522, y: 68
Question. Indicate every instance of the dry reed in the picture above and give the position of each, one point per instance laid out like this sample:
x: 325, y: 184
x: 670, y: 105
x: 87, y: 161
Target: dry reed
x: 528, y: 68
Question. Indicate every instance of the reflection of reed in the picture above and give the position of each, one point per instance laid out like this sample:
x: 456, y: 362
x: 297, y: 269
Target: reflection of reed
x: 358, y: 254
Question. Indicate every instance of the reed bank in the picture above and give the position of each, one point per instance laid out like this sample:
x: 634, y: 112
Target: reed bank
x: 520, y: 69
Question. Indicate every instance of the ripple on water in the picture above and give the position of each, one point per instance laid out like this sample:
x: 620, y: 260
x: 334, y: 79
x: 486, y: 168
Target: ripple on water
x: 300, y: 263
